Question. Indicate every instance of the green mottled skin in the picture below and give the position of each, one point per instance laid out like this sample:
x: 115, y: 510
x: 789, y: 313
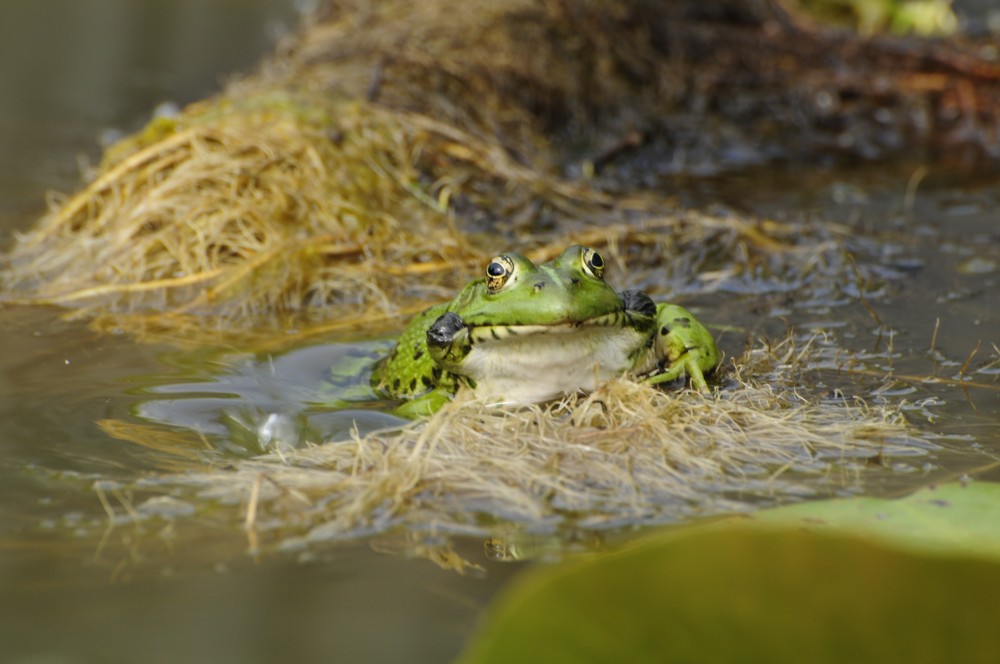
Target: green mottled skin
x: 526, y: 333
x: 409, y: 370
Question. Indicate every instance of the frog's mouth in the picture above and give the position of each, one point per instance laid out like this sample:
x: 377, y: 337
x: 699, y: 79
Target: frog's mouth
x: 637, y: 313
x: 478, y: 334
x: 452, y: 341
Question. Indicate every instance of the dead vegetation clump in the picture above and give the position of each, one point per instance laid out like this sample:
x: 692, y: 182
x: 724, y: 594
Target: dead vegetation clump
x: 247, y: 208
x: 626, y: 455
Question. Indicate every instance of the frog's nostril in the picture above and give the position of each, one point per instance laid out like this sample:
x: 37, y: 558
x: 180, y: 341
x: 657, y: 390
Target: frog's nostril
x: 539, y: 286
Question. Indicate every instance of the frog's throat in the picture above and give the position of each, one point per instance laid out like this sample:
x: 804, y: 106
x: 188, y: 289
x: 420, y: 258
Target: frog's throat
x: 534, y: 363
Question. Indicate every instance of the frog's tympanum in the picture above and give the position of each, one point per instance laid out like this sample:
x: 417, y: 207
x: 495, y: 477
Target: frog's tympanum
x: 526, y: 333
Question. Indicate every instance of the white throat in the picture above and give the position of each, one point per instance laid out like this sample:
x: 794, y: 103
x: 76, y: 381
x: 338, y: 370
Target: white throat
x: 529, y: 368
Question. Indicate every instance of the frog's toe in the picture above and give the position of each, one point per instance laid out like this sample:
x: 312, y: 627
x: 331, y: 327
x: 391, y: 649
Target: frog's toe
x: 673, y: 372
x: 695, y: 376
x: 686, y: 366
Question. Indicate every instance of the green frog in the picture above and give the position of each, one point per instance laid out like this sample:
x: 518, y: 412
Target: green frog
x: 526, y: 333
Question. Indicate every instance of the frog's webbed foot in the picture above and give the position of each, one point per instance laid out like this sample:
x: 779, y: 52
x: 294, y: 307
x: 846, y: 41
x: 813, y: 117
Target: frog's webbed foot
x: 685, y: 346
x: 687, y: 365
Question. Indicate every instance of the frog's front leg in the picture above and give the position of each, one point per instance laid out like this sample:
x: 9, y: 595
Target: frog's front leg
x: 684, y: 346
x: 426, y: 404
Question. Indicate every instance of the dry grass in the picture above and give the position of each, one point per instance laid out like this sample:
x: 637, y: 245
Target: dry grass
x: 626, y: 455
x: 251, y: 210
x: 241, y: 211
x: 182, y: 240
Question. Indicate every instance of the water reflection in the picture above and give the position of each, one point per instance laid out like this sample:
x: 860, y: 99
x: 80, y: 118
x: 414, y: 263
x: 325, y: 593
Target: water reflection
x: 253, y: 405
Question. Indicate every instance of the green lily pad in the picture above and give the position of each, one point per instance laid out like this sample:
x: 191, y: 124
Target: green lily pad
x: 767, y: 589
x: 950, y: 518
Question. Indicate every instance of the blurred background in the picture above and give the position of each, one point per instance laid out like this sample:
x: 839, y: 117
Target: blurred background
x: 75, y: 73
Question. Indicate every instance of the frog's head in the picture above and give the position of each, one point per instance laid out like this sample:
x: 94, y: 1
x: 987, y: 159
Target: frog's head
x: 515, y: 292
x: 530, y: 332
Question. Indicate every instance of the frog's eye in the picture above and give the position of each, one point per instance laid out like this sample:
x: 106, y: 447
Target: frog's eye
x: 593, y: 263
x: 498, y: 272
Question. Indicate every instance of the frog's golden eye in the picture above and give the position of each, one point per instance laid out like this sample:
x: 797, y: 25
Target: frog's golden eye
x: 593, y: 263
x: 498, y: 272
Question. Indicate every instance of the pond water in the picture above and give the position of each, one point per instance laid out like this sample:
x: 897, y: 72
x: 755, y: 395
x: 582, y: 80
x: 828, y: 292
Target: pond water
x: 74, y: 589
